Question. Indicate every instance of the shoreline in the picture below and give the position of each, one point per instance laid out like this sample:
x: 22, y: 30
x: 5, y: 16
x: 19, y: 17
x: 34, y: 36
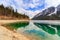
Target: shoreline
x: 11, y: 21
x: 7, y: 33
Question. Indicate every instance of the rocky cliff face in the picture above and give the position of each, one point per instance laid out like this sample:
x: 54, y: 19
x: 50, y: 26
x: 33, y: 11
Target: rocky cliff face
x: 48, y: 14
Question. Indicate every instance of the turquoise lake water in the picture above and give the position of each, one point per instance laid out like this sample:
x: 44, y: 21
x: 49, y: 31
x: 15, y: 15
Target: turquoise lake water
x: 44, y: 31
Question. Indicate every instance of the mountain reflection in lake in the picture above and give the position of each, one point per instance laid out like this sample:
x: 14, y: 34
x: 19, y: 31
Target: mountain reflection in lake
x: 39, y: 30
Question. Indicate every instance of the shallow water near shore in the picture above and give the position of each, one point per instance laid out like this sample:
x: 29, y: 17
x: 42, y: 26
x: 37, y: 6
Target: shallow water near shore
x: 38, y: 30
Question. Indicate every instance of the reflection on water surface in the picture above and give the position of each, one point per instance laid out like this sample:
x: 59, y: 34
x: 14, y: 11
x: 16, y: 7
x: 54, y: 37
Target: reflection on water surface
x: 39, y: 30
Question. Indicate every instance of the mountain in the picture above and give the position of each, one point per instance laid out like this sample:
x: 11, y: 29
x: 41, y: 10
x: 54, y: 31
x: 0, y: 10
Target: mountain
x: 8, y: 13
x: 48, y: 14
x: 58, y: 10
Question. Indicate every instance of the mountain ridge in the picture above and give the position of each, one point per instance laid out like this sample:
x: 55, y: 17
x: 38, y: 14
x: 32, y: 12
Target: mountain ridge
x: 48, y: 14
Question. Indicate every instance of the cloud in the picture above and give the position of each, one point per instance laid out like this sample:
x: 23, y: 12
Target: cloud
x: 30, y: 7
x: 52, y: 2
x: 34, y: 5
x: 29, y: 13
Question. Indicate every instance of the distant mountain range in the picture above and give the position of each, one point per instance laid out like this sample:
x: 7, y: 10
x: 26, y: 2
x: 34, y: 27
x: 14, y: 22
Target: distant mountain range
x: 51, y: 13
x: 8, y: 13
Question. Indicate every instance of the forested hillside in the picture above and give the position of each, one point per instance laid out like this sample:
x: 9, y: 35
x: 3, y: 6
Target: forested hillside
x: 8, y: 13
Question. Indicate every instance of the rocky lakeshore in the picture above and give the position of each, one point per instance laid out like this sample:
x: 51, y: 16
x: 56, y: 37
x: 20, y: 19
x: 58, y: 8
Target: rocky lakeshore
x: 6, y: 34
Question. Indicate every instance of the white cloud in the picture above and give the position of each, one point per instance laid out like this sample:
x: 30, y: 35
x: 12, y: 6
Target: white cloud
x: 28, y: 12
x: 52, y: 2
x: 19, y: 5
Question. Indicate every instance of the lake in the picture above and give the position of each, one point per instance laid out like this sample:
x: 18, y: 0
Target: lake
x: 38, y: 29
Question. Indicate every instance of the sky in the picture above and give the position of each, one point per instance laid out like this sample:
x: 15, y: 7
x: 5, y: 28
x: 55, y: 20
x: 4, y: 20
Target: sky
x: 29, y: 7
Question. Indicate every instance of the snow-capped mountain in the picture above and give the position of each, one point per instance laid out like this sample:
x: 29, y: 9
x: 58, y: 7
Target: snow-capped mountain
x: 48, y: 14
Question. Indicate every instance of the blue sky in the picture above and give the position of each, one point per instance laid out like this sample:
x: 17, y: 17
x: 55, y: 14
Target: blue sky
x: 30, y: 7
